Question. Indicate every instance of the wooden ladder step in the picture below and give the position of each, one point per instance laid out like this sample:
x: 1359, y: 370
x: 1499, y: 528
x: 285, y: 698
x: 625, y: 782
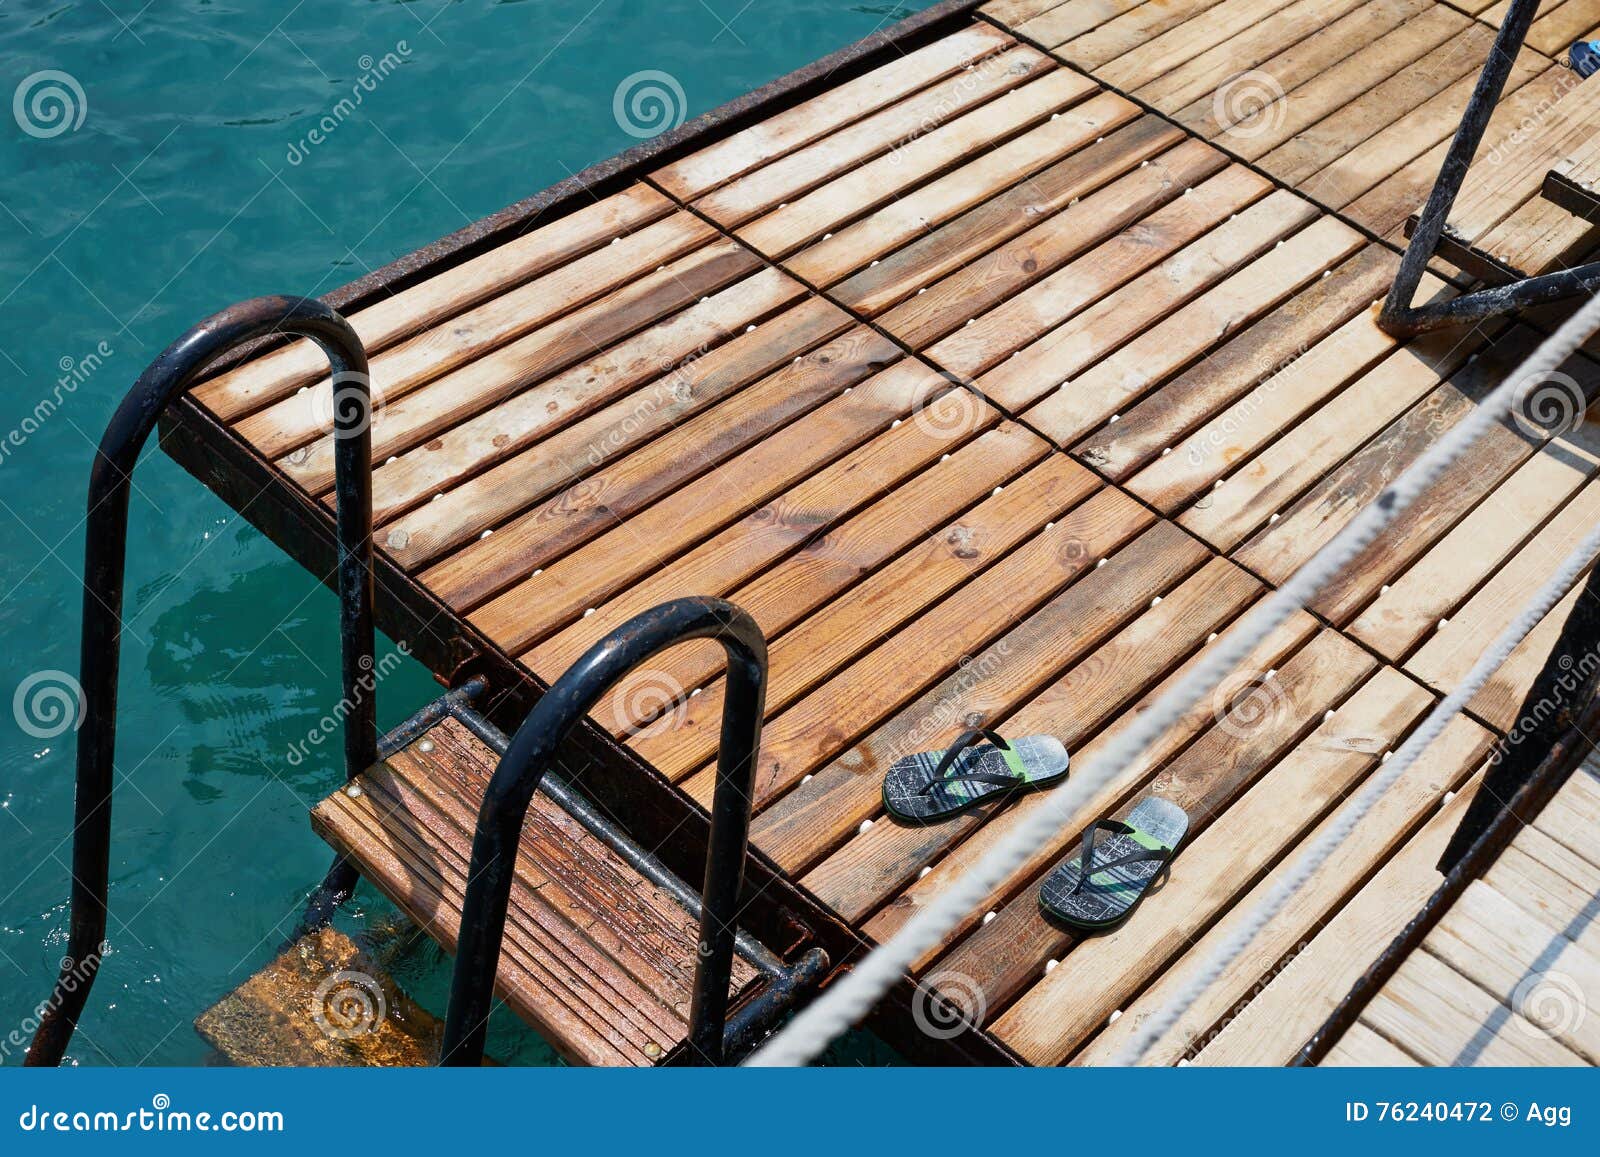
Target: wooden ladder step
x: 599, y: 960
x: 321, y: 1002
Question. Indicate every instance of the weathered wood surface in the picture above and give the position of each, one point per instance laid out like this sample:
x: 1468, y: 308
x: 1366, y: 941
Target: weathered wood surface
x: 1510, y: 973
x: 596, y: 958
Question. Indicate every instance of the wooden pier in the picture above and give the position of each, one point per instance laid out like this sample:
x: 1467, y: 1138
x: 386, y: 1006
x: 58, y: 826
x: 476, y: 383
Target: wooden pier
x: 996, y: 366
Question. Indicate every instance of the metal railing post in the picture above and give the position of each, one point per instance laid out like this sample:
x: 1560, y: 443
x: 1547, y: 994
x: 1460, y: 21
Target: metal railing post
x: 105, y: 556
x: 533, y: 749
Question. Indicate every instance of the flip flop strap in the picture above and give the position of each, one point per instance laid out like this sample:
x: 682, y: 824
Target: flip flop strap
x: 963, y: 741
x: 1117, y: 827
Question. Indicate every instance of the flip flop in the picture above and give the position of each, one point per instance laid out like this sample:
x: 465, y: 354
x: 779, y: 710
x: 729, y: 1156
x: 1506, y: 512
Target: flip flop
x: 934, y: 785
x: 1106, y: 881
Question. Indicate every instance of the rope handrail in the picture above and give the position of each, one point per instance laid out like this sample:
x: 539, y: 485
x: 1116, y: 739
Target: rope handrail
x: 814, y: 1028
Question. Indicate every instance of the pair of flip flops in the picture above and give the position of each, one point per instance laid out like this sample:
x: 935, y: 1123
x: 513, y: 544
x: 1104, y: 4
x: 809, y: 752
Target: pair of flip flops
x: 1118, y: 861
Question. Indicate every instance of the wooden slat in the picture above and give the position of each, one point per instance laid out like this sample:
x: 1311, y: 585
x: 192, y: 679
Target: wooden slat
x: 1245, y: 491
x: 776, y: 213
x: 1292, y: 947
x: 1185, y: 334
x: 1412, y: 604
x: 1446, y: 1019
x: 778, y: 135
x: 265, y: 379
x: 1536, y: 971
x: 935, y: 558
x: 595, y: 958
x: 1362, y: 1047
x: 837, y: 432
x: 783, y: 524
x: 585, y: 508
x: 1273, y: 650
x: 1100, y: 973
x: 1275, y: 345
x: 898, y: 667
x: 1572, y: 818
x: 1104, y: 677
x: 1040, y: 257
x: 1299, y: 971
x: 1048, y: 147
x: 1552, y: 882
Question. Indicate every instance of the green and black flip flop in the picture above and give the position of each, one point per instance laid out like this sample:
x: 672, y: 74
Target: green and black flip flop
x: 934, y: 785
x: 1103, y: 884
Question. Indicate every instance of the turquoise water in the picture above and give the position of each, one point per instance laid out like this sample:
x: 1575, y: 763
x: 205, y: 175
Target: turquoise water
x: 180, y: 177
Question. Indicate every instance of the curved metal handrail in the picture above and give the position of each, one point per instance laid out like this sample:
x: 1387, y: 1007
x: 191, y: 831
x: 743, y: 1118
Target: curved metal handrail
x: 533, y: 749
x: 105, y: 555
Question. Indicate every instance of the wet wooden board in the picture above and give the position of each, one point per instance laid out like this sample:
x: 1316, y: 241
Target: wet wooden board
x: 597, y: 958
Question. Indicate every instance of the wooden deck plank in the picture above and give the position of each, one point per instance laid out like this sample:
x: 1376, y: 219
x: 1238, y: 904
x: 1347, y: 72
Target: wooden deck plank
x: 1445, y: 657
x: 880, y: 136
x: 917, y: 565
x: 1552, y: 882
x: 1300, y: 530
x: 845, y: 785
x: 1365, y: 890
x: 1275, y: 649
x: 545, y: 250
x: 804, y: 218
x: 1006, y: 957
x: 887, y: 856
x: 1573, y: 817
x: 1412, y: 604
x: 1537, y: 971
x: 1099, y: 974
x: 844, y: 431
x: 892, y: 671
x: 1363, y: 1047
x: 1081, y: 244
x: 617, y: 489
x: 1185, y: 334
x: 1252, y: 357
x: 1027, y: 163
x: 807, y: 345
x: 1024, y: 348
x: 1448, y: 1020
x: 776, y: 136
x: 1048, y: 216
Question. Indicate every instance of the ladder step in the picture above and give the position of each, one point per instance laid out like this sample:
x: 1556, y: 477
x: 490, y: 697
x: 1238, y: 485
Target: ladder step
x: 599, y: 960
x: 322, y: 1002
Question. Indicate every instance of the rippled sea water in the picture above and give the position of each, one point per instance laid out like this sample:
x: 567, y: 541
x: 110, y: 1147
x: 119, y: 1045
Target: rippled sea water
x: 156, y: 166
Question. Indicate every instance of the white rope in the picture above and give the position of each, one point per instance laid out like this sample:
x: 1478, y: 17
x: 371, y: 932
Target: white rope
x: 832, y: 1013
x: 1155, y: 1027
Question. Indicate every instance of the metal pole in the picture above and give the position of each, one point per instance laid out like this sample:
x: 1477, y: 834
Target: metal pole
x: 1398, y: 316
x: 533, y: 749
x: 105, y: 554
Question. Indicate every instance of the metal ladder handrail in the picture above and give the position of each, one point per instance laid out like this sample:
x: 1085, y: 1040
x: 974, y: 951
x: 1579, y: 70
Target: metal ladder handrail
x: 525, y: 763
x: 104, y: 571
